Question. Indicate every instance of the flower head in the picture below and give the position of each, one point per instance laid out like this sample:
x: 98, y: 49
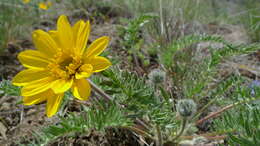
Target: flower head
x: 60, y: 62
x: 253, y: 85
x: 44, y: 5
x: 157, y: 76
x: 26, y: 1
x: 186, y: 108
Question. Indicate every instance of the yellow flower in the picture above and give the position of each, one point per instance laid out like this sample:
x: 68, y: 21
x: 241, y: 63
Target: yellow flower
x: 60, y: 62
x: 49, y: 4
x: 26, y: 1
x: 44, y: 6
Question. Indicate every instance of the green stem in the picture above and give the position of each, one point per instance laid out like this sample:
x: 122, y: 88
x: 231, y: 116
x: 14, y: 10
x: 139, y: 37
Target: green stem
x: 184, y: 122
x: 164, y: 93
x: 109, y: 98
x: 215, y: 114
x: 161, y: 17
x: 99, y: 91
x: 196, y: 116
x: 139, y: 131
x: 159, y: 141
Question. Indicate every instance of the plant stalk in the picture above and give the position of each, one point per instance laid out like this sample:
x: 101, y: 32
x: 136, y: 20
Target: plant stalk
x: 99, y: 91
x: 109, y: 98
x: 161, y: 17
x: 159, y: 141
x: 217, y: 113
x: 184, y: 122
x: 139, y: 131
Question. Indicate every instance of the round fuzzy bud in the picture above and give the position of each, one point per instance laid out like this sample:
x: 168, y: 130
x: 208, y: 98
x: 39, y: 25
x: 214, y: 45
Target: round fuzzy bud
x: 157, y: 76
x: 254, y: 84
x: 186, y: 107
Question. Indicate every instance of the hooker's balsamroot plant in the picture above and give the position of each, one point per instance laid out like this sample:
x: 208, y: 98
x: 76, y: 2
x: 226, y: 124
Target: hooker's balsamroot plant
x: 60, y: 62
x: 44, y: 5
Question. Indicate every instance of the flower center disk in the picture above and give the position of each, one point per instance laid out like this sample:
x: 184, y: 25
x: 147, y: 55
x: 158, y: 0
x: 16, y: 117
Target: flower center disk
x: 65, y: 66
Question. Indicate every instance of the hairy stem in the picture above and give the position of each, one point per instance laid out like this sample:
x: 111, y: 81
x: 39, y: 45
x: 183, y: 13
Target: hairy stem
x: 109, y: 98
x: 139, y: 131
x: 217, y: 113
x: 196, y: 116
x: 161, y: 17
x: 99, y: 91
x: 159, y: 141
x: 184, y: 122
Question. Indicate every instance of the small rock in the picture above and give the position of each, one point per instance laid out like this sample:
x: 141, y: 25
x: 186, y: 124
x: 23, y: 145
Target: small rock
x: 200, y: 140
x: 186, y: 143
x: 31, y: 111
x: 5, y: 106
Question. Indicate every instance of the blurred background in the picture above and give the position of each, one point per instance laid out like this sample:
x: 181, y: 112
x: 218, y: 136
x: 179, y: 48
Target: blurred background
x: 235, y: 20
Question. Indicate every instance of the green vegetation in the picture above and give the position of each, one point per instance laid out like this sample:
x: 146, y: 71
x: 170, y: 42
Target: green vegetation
x: 7, y: 89
x: 16, y: 22
x: 98, y: 117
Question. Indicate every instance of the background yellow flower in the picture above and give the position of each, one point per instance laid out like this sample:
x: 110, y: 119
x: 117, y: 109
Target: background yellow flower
x: 43, y: 6
x: 26, y: 1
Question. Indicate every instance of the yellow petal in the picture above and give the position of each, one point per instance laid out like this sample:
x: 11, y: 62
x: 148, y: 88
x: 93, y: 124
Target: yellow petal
x: 65, y: 34
x: 38, y: 98
x: 33, y: 59
x: 53, y: 104
x: 37, y: 87
x: 83, y: 75
x: 81, y: 89
x: 54, y: 35
x: 44, y: 43
x: 86, y: 68
x: 99, y: 63
x: 29, y: 75
x: 61, y: 85
x: 81, y: 32
x: 78, y: 26
x: 97, y: 47
x: 85, y: 71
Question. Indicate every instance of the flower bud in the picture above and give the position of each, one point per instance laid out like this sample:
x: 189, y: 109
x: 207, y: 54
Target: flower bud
x: 253, y: 85
x: 186, y: 108
x: 157, y: 76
